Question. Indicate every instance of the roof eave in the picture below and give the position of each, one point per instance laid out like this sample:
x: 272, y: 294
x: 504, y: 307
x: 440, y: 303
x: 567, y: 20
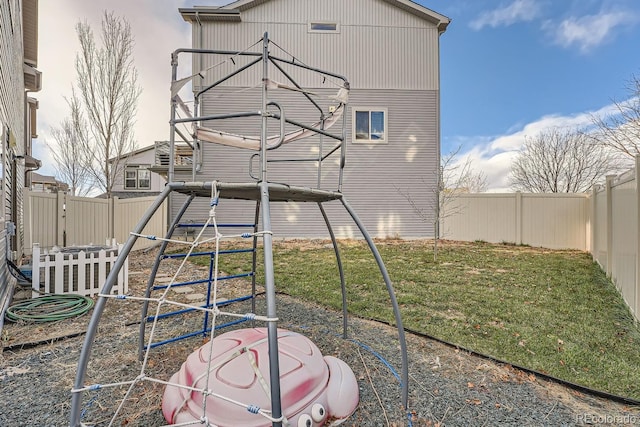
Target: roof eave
x: 436, y: 18
x: 427, y: 14
x: 207, y: 13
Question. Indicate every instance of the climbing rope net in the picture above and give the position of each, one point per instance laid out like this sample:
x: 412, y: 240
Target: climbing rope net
x: 214, y: 311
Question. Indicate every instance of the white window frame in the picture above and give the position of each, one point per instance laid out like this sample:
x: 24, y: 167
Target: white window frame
x: 355, y: 110
x: 137, y: 169
x: 310, y: 28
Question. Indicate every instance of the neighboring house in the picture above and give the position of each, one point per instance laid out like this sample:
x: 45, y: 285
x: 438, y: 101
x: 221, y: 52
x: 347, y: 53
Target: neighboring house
x: 389, y: 52
x: 46, y: 184
x: 18, y: 77
x: 136, y: 177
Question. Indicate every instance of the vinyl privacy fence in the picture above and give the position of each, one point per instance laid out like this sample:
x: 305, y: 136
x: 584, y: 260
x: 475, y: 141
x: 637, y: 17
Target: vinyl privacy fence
x: 615, y: 222
x: 605, y: 222
x: 58, y: 219
x: 555, y: 221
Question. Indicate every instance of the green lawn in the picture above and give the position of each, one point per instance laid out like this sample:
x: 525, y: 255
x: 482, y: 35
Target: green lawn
x: 551, y: 311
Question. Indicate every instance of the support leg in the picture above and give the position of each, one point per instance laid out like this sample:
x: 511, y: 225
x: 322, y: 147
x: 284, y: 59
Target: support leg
x: 112, y: 278
x: 272, y: 327
x: 343, y: 286
x: 394, y: 302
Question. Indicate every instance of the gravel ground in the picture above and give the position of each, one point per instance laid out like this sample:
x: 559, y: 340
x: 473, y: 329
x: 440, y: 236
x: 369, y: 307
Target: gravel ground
x: 447, y: 387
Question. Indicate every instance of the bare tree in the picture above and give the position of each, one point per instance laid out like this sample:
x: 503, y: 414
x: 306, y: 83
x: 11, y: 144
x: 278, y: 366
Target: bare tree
x: 68, y: 153
x: 108, y: 95
x: 561, y: 161
x: 453, y: 178
x: 459, y: 176
x: 620, y: 130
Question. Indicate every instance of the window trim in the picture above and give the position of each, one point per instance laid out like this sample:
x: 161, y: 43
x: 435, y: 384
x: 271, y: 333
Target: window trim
x: 355, y: 110
x: 310, y: 28
x: 137, y: 169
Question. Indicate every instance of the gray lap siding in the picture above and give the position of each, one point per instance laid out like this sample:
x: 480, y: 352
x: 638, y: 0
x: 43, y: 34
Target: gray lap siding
x: 379, y: 179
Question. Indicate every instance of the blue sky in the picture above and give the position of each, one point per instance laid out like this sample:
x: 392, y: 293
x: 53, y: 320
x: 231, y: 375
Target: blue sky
x: 509, y: 68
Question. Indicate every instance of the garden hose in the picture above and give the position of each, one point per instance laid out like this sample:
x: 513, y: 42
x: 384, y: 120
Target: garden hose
x: 49, y: 308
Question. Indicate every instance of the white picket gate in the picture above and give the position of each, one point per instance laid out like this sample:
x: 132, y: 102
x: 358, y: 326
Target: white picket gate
x: 76, y: 271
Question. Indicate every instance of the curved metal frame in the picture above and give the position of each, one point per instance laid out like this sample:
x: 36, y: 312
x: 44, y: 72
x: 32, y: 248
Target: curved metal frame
x: 260, y: 192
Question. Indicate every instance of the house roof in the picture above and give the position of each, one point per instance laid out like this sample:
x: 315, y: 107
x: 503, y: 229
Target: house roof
x: 209, y: 13
x: 43, y: 179
x: 128, y: 194
x: 36, y: 178
x: 231, y: 12
x: 134, y: 152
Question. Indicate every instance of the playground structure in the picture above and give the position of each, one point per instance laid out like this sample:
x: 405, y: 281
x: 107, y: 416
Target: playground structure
x: 263, y: 192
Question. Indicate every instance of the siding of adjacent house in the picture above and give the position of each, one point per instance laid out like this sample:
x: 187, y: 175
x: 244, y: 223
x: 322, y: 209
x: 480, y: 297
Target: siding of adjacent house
x: 144, y: 157
x: 390, y: 57
x: 12, y: 101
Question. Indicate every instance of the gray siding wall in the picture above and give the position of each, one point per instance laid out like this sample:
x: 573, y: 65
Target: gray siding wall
x: 377, y: 46
x: 378, y: 179
x: 12, y: 100
x: 391, y: 59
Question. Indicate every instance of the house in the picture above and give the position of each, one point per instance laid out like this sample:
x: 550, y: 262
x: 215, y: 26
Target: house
x: 46, y: 184
x: 18, y: 78
x: 141, y: 172
x: 389, y: 52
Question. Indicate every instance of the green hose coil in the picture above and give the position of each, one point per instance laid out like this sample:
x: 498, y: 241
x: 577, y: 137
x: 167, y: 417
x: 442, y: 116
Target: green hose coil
x: 49, y: 308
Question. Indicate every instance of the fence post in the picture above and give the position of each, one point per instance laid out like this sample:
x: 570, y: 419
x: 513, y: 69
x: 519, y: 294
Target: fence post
x: 28, y: 225
x: 111, y: 218
x: 609, y: 225
x: 518, y: 218
x: 593, y: 244
x: 61, y: 226
x: 637, y: 281
x: 35, y: 271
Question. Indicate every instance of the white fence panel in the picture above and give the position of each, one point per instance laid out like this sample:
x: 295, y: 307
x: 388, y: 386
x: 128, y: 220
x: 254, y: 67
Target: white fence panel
x: 548, y: 220
x: 624, y: 237
x: 127, y: 214
x: 87, y: 220
x: 555, y: 221
x: 488, y: 217
x: 599, y: 230
x: 83, y: 272
x: 42, y: 219
x: 616, y: 224
x: 57, y: 219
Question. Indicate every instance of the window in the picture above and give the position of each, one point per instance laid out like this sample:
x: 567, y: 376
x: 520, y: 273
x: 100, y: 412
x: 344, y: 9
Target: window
x: 370, y: 125
x: 324, y: 27
x: 137, y: 178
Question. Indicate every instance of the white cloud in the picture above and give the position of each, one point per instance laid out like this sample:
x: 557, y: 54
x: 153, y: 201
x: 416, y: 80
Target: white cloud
x: 588, y: 31
x: 518, y: 11
x: 493, y: 156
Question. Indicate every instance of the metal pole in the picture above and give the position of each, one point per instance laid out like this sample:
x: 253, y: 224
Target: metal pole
x: 270, y: 292
x: 340, y: 271
x: 270, y: 289
x: 112, y: 278
x: 254, y: 259
x: 172, y: 131
x: 394, y: 302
